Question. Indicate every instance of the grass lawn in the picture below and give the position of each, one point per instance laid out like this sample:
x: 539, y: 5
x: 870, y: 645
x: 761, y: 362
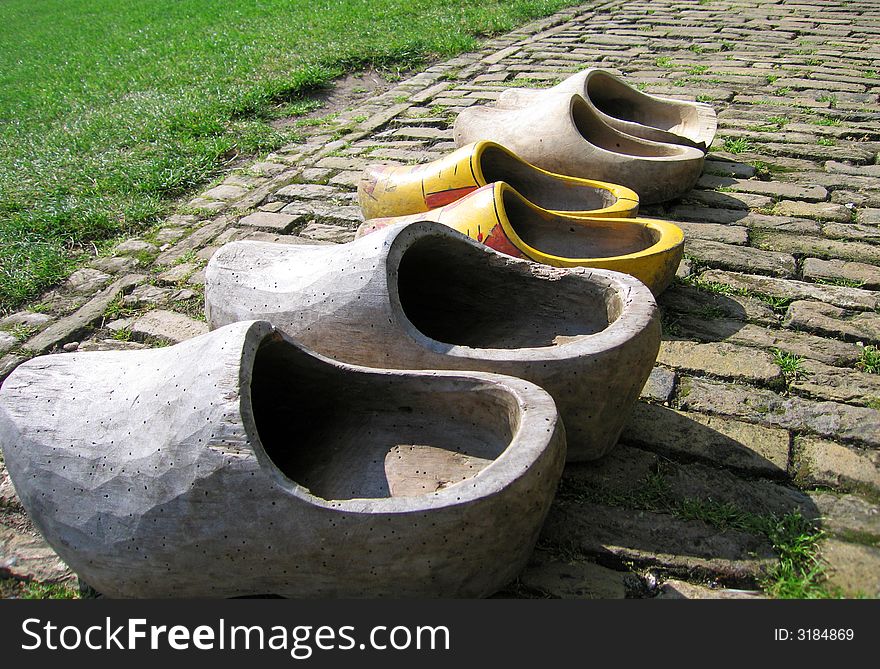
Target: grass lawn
x: 109, y: 109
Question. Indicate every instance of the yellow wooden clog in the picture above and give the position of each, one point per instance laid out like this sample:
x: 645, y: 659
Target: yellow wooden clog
x: 387, y: 190
x: 501, y: 218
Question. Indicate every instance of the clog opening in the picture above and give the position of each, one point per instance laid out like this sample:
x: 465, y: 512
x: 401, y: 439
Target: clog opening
x: 594, y: 130
x: 618, y: 100
x: 347, y: 434
x: 567, y: 238
x: 537, y: 187
x: 460, y: 294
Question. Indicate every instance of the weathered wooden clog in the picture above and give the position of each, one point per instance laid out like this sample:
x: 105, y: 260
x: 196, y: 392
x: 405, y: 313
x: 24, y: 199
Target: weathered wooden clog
x: 238, y: 463
x: 388, y: 190
x: 423, y: 296
x: 562, y: 133
x: 502, y: 219
x: 630, y: 110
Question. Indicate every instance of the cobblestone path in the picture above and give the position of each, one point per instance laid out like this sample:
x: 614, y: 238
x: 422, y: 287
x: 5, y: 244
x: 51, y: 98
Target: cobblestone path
x: 764, y: 401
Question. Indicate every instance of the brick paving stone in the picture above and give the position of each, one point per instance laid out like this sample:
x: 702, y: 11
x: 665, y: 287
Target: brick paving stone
x: 849, y: 298
x: 829, y: 351
x: 225, y: 192
x: 8, y: 496
x: 843, y: 514
x: 26, y: 318
x: 193, y: 242
x: 854, y: 568
x: 828, y: 419
x: 832, y: 321
x: 856, y: 231
x: 655, y: 539
x: 7, y: 341
x: 135, y: 246
x: 869, y: 216
x: 740, y: 217
x: 177, y: 273
x: 728, y: 442
x: 821, y: 211
x: 687, y: 299
x: 698, y: 481
x: 87, y: 280
x: 328, y: 233
x: 169, y: 235
x: 774, y: 188
x: 659, y: 386
x: 837, y: 384
x: 147, y: 295
x: 723, y: 360
x: 828, y: 463
x: 740, y: 258
x: 8, y: 363
x: 168, y: 325
x: 115, y: 264
x: 574, y: 580
x: 711, y: 198
x: 295, y: 192
x: 676, y: 589
x: 814, y: 246
x: 26, y: 556
x: 70, y: 327
x: 323, y: 213
x: 271, y: 222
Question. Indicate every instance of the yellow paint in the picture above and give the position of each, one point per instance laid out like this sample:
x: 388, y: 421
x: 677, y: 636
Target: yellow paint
x: 387, y: 190
x: 483, y: 216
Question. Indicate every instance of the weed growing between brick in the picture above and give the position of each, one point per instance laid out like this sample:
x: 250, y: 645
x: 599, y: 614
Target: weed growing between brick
x: 798, y: 572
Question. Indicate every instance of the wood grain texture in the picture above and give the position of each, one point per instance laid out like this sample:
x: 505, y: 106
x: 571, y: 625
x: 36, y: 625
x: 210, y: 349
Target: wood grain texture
x: 422, y: 296
x: 184, y: 471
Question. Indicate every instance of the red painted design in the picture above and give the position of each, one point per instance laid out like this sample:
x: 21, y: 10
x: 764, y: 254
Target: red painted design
x: 497, y: 239
x: 444, y: 197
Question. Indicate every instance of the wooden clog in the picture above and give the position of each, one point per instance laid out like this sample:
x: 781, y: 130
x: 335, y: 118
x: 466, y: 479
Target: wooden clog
x: 238, y: 463
x: 387, y: 190
x: 499, y: 217
x: 562, y: 133
x: 630, y: 110
x: 423, y: 296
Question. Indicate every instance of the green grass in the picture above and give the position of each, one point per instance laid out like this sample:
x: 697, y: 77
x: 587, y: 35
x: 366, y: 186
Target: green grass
x: 790, y: 364
x: 109, y: 111
x: 763, y: 170
x: 839, y: 281
x: 827, y: 120
x: 825, y: 141
x: 736, y: 144
x: 870, y: 360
